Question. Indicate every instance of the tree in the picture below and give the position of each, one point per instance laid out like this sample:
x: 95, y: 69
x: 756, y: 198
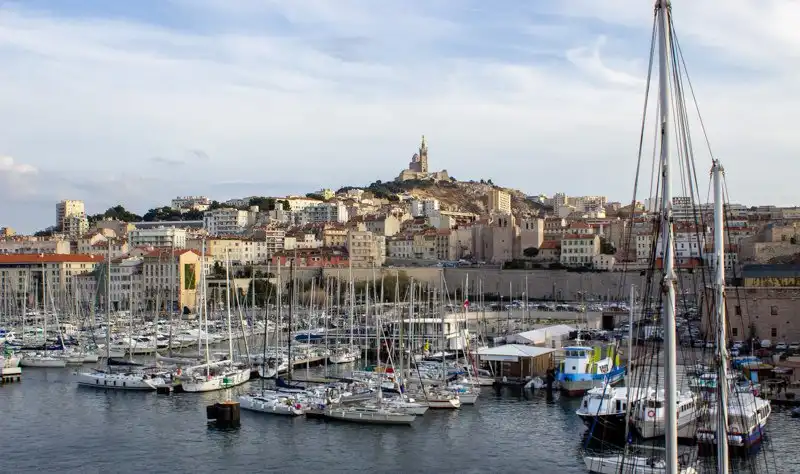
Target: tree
x: 118, y: 213
x: 530, y: 252
x: 44, y: 233
x: 317, y: 196
x: 606, y: 247
x: 264, y: 203
x: 489, y: 181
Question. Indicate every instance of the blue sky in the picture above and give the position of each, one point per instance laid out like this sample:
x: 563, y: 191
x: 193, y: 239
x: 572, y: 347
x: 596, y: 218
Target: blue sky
x: 135, y: 102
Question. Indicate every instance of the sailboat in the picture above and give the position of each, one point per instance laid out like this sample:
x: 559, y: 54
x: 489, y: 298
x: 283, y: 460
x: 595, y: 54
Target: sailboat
x: 349, y: 353
x: 222, y: 374
x: 103, y: 377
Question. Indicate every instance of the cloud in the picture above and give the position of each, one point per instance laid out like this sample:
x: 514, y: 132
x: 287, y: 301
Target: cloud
x: 321, y: 94
x: 160, y: 160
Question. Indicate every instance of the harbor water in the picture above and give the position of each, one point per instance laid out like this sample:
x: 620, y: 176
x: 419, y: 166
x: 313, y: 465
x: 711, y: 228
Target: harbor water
x: 50, y: 423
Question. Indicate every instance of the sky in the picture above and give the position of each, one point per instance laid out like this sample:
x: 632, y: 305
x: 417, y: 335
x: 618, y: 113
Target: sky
x: 138, y: 102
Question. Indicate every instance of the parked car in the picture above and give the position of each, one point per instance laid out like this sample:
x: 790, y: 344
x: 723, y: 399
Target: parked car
x: 781, y: 346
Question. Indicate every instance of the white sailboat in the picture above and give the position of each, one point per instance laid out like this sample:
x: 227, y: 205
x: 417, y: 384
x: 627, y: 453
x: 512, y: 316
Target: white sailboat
x: 224, y: 374
x: 104, y: 378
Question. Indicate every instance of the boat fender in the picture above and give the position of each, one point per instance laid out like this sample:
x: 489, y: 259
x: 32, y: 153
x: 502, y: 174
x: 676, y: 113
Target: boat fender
x: 651, y: 414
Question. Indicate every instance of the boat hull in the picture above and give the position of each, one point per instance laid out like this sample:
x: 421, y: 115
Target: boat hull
x: 611, y: 424
x: 575, y: 385
x: 47, y: 363
x: 627, y: 465
x: 740, y: 442
x: 118, y: 381
x: 272, y: 407
x: 217, y: 382
x: 370, y: 418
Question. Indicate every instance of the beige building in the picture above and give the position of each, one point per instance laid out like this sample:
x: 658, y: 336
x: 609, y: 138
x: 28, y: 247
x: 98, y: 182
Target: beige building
x: 16, y: 245
x: 387, y: 226
x: 549, y: 252
x: 495, y: 240
x: 766, y: 313
x: 227, y: 221
x: 774, y: 241
x: 25, y: 273
x: 333, y: 236
x: 66, y: 209
x: 171, y: 279
x: 579, y: 250
x: 400, y: 246
x: 531, y: 233
x: 366, y: 249
x: 499, y: 201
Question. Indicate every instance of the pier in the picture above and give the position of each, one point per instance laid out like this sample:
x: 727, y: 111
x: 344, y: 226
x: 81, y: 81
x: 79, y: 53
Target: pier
x: 10, y: 375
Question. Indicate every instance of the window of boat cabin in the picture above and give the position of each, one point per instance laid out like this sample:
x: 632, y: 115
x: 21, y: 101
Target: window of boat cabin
x: 655, y: 404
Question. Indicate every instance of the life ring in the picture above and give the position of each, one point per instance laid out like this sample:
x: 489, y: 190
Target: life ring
x: 651, y: 414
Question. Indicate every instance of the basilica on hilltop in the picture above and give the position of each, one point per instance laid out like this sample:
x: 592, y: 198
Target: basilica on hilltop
x: 418, y: 167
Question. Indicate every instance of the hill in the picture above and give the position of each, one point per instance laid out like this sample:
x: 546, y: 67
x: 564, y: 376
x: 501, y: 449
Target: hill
x: 458, y: 196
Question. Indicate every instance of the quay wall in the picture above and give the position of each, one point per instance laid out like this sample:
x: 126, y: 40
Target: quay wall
x: 541, y: 284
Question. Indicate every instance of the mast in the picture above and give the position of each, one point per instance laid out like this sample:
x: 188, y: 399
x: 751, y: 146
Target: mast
x: 291, y: 311
x: 228, y: 303
x: 630, y: 361
x: 722, y: 350
x: 108, y: 307
x: 669, y: 276
x: 203, y: 309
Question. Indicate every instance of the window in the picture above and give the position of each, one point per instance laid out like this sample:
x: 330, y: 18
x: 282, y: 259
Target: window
x: 773, y: 310
x: 738, y: 310
x: 734, y: 331
x: 774, y: 332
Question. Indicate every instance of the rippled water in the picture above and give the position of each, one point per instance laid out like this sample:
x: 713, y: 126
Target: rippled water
x: 52, y: 424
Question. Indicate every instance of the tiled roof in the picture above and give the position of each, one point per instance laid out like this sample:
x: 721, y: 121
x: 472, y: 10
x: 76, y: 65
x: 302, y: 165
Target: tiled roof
x: 34, y: 258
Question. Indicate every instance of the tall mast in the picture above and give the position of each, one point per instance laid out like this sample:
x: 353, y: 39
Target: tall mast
x: 669, y: 277
x: 291, y: 313
x: 722, y: 351
x: 108, y: 307
x: 228, y: 302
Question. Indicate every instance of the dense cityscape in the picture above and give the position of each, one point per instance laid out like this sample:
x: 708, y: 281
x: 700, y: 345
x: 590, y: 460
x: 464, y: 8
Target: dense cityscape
x: 372, y: 228
x: 248, y: 321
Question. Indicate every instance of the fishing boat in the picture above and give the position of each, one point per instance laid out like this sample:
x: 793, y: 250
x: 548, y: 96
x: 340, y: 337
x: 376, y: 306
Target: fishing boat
x: 604, y: 409
x: 649, y: 416
x: 583, y: 368
x: 747, y: 417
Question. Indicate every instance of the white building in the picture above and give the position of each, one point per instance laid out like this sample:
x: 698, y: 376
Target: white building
x: 227, y: 221
x: 297, y: 204
x: 603, y: 262
x: 160, y: 237
x: 579, y: 250
x: 689, y: 247
x: 325, y: 212
x: 190, y: 203
x: 424, y: 207
x: 127, y: 284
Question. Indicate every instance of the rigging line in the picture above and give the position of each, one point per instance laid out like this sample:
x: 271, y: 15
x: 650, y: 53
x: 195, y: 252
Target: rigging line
x: 741, y: 318
x: 648, y: 84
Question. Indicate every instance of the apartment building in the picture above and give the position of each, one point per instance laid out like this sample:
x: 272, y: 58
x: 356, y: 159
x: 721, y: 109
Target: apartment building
x: 365, y: 249
x: 18, y: 245
x: 170, y: 279
x: 227, y: 221
x: 323, y: 212
x: 66, y: 209
x: 400, y: 246
x: 334, y: 237
x: 499, y: 202
x: 579, y: 250
x: 126, y: 285
x: 20, y: 274
x: 424, y: 207
x: 387, y: 225
x: 190, y: 203
x: 159, y: 237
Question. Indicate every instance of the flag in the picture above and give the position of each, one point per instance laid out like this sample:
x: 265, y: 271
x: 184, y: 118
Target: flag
x: 466, y: 304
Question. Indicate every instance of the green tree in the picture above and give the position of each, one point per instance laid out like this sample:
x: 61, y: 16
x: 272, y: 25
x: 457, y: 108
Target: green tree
x: 606, y: 247
x: 530, y: 252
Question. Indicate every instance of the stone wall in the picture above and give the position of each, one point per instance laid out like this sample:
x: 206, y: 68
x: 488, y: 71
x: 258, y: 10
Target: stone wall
x: 772, y: 312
